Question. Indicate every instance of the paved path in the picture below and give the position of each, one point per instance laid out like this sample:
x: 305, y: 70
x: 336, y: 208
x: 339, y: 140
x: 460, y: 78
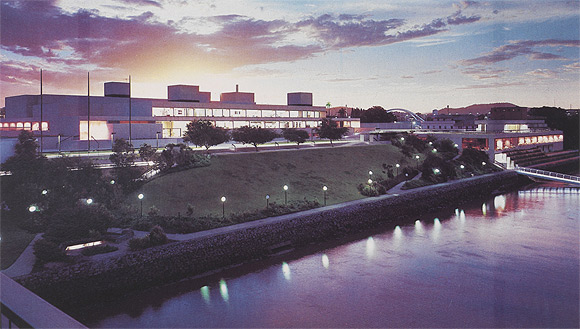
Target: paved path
x: 23, y: 265
x: 397, y: 189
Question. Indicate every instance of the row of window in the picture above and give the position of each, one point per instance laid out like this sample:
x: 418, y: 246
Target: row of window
x: 174, y: 128
x: 191, y: 112
x: 506, y: 143
x: 34, y: 126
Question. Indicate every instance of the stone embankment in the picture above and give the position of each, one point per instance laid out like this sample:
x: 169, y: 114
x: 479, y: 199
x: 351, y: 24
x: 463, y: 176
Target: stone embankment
x: 88, y: 281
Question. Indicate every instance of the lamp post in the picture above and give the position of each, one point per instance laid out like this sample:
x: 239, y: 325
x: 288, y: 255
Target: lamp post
x: 417, y: 158
x: 223, y: 200
x: 370, y: 174
x: 157, y: 137
x: 462, y: 166
x: 33, y: 208
x: 44, y: 192
x: 89, y: 201
x: 285, y: 194
x: 483, y: 163
x: 397, y: 166
x: 370, y: 181
x: 324, y: 189
x: 267, y: 200
x: 141, y: 196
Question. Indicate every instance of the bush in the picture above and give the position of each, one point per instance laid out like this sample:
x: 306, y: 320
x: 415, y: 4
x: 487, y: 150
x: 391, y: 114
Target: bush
x: 372, y: 189
x: 155, y: 238
x: 101, y: 249
x: 415, y: 184
x: 48, y: 251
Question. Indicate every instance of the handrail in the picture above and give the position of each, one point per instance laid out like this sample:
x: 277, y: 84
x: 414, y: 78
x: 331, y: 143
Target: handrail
x: 548, y: 173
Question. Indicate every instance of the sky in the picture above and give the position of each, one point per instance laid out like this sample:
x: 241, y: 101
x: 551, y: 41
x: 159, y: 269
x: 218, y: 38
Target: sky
x: 414, y: 54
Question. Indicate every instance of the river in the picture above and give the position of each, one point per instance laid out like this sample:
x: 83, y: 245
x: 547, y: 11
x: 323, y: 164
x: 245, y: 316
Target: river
x: 509, y: 261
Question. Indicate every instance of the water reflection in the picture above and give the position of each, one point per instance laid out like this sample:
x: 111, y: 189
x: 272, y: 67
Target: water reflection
x: 224, y: 290
x: 325, y: 261
x: 499, y: 203
x: 205, y: 294
x: 398, y: 232
x: 286, y: 271
x: 436, y: 229
x: 484, y: 209
x: 370, y: 250
x: 418, y: 227
x: 462, y: 216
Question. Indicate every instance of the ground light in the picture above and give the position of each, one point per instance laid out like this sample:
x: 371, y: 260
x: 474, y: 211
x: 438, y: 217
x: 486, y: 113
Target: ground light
x: 140, y: 197
x: 370, y: 181
x: 267, y: 200
x: 397, y: 166
x: 436, y: 171
x: 285, y: 194
x: 434, y: 150
x: 324, y: 189
x: 223, y: 200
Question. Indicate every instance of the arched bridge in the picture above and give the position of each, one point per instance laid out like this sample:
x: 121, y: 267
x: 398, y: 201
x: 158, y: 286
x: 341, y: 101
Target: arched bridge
x: 415, y: 117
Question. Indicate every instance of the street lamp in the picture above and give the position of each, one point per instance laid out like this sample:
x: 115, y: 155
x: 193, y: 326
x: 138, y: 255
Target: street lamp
x: 223, y: 199
x: 140, y: 197
x: 112, y: 182
x: 44, y: 192
x: 436, y: 171
x: 417, y: 158
x: 32, y: 208
x: 462, y: 166
x: 483, y: 163
x: 370, y: 174
x: 434, y: 150
x: 370, y: 181
x: 402, y: 139
x: 285, y: 194
x: 89, y: 201
x: 267, y: 200
x: 324, y: 189
x: 157, y: 137
x: 397, y: 166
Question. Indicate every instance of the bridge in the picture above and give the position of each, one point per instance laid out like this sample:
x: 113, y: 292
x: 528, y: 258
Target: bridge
x: 544, y: 174
x: 415, y: 117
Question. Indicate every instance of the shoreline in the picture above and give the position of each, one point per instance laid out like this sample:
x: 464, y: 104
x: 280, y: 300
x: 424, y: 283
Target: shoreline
x: 217, y: 250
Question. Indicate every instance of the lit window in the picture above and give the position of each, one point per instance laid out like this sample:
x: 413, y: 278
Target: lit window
x: 99, y: 130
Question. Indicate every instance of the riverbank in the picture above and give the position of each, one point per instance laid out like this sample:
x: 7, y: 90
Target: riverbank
x: 226, y: 247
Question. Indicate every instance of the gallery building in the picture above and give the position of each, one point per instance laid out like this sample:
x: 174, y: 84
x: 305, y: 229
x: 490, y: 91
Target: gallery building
x: 65, y: 122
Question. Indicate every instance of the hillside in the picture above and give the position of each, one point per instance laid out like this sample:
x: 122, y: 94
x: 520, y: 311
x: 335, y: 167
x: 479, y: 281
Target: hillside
x: 474, y: 109
x: 245, y: 179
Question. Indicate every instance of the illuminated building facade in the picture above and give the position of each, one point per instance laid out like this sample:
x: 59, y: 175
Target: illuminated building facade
x: 69, y: 121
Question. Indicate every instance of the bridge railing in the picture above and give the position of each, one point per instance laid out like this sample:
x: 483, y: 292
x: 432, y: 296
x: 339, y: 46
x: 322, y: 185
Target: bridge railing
x: 548, y: 173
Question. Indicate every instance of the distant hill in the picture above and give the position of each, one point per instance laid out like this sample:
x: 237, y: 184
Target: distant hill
x: 474, y: 109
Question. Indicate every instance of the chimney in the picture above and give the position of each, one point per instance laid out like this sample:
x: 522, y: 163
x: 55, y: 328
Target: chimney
x: 237, y: 88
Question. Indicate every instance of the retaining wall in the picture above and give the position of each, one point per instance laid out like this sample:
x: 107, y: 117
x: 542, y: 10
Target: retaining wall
x: 85, y: 282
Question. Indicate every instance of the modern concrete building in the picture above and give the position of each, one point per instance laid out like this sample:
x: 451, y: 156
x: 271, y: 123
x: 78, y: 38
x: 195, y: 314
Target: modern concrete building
x: 72, y: 122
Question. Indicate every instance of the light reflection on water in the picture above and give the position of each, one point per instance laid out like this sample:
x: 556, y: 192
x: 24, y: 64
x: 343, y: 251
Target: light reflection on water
x: 514, y: 263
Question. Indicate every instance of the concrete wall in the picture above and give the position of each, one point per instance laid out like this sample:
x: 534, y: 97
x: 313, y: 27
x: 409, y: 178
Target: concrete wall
x: 89, y: 281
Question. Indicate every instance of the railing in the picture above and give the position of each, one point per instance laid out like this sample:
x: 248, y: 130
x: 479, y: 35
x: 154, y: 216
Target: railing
x: 21, y: 308
x: 572, y: 178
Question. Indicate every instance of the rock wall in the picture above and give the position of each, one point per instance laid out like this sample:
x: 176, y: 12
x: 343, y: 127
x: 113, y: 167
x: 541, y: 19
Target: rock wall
x: 88, y: 281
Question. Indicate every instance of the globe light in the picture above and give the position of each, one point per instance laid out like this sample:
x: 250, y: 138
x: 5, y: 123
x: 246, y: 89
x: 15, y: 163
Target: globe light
x: 112, y: 182
x: 140, y: 196
x: 32, y: 208
x: 462, y: 167
x: 397, y: 165
x: 89, y: 201
x: 223, y: 199
x: 285, y: 187
x: 324, y: 188
x: 370, y: 172
x: 483, y: 163
x: 434, y: 150
x: 267, y: 196
x: 370, y: 181
x: 44, y: 192
x: 417, y: 157
x: 436, y: 171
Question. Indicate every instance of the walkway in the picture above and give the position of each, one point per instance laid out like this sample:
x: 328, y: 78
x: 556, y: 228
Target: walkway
x: 549, y: 175
x: 23, y: 265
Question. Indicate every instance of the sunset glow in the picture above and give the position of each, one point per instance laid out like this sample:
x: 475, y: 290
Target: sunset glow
x: 417, y: 55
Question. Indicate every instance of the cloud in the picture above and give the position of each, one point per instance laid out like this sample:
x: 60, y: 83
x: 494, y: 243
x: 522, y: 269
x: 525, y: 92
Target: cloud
x: 521, y: 48
x: 492, y: 85
x: 484, y: 73
x: 459, y: 19
x: 142, y: 3
x: 543, y: 73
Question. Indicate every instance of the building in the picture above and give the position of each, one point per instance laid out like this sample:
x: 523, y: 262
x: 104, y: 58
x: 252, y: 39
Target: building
x: 65, y: 122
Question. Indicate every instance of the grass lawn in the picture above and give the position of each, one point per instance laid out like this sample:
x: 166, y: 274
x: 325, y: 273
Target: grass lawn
x: 14, y: 241
x: 245, y: 179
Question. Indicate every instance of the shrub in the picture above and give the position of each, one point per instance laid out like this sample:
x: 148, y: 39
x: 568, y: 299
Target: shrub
x: 372, y: 189
x: 48, y: 251
x: 155, y: 238
x: 101, y: 249
x: 415, y: 184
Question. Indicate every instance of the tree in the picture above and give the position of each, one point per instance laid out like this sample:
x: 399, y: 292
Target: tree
x: 253, y: 135
x: 297, y: 136
x: 329, y: 129
x: 147, y: 153
x: 377, y: 114
x: 204, y: 133
x: 123, y: 153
